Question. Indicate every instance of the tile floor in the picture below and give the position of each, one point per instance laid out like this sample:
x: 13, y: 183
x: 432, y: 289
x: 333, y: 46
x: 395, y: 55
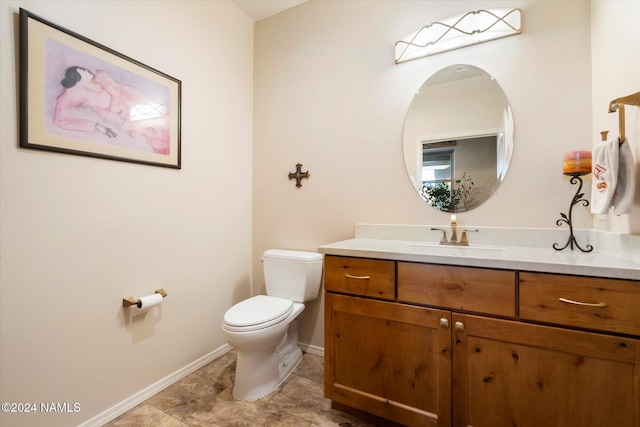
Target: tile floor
x: 204, y: 399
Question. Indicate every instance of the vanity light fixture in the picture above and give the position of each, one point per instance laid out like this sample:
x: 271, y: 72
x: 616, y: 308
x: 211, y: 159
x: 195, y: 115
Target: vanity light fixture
x: 459, y: 31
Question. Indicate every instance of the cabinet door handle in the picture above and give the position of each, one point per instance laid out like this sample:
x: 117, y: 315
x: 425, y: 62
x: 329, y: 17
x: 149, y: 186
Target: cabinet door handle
x: 588, y: 304
x: 459, y: 326
x: 444, y: 322
x: 357, y: 277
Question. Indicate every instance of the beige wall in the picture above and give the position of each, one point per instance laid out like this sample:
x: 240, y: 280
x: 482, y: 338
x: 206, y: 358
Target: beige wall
x: 328, y: 95
x: 79, y: 234
x: 615, y: 61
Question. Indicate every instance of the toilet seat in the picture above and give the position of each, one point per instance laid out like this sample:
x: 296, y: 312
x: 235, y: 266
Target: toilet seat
x: 258, y: 312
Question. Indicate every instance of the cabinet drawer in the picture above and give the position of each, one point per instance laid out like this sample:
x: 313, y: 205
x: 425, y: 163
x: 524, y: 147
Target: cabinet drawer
x: 458, y: 288
x: 360, y: 276
x: 588, y: 302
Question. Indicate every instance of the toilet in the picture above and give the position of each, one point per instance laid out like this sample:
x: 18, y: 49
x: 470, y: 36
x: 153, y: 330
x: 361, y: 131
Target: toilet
x: 263, y: 329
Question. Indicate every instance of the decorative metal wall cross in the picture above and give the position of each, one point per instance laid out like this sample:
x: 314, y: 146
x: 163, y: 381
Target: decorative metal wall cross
x: 298, y: 175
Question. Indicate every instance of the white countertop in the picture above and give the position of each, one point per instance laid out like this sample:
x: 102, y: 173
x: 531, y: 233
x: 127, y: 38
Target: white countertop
x: 598, y: 263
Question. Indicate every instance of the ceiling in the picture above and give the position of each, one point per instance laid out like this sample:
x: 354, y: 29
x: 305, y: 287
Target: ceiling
x: 260, y: 9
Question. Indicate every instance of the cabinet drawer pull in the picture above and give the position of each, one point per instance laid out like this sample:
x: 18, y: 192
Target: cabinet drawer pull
x: 588, y: 304
x: 357, y: 277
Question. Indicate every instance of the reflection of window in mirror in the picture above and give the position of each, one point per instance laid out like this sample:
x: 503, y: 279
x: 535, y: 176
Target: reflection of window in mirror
x: 438, y: 173
x: 437, y: 166
x: 457, y: 186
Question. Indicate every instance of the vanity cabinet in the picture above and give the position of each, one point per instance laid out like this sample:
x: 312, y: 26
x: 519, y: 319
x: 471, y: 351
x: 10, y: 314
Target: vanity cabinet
x: 458, y: 288
x: 389, y: 360
x: 384, y: 358
x: 584, y: 302
x: 437, y: 345
x: 361, y: 276
x: 515, y: 374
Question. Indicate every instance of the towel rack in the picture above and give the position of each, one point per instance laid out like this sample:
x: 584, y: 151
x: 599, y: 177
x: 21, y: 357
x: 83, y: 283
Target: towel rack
x: 618, y: 104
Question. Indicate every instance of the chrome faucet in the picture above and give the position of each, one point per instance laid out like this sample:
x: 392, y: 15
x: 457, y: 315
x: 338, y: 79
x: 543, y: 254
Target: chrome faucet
x: 463, y: 241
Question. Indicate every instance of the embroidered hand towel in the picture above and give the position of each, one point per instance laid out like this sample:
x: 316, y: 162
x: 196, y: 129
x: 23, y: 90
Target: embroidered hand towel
x: 626, y: 186
x: 605, y: 176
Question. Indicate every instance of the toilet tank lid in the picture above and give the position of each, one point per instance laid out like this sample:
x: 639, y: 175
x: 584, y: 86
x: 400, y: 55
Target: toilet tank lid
x: 292, y: 255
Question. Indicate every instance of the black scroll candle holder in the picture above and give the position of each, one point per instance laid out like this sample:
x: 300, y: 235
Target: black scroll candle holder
x: 577, y: 198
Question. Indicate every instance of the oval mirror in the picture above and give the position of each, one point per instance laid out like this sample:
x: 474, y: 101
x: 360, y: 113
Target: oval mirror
x: 458, y: 138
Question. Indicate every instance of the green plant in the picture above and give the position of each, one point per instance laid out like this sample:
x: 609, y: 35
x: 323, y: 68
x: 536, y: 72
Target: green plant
x: 464, y: 195
x: 439, y: 196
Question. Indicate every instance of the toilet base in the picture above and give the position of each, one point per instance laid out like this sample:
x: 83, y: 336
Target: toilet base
x: 259, y: 371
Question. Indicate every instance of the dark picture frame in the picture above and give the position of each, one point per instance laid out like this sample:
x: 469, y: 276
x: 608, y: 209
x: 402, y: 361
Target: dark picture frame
x: 80, y: 97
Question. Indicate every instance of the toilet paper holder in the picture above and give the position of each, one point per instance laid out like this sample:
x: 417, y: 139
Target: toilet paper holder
x: 129, y: 301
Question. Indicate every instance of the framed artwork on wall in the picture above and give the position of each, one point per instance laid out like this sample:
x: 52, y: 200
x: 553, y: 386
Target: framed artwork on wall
x: 80, y: 97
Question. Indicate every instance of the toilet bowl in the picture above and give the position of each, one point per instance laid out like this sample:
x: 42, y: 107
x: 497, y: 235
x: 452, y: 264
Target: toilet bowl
x: 263, y: 328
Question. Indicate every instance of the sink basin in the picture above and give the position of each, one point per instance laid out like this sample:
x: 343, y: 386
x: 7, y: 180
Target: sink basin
x: 471, y: 251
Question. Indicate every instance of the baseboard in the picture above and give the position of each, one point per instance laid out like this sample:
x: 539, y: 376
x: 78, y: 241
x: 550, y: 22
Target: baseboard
x: 131, y: 402
x: 312, y: 349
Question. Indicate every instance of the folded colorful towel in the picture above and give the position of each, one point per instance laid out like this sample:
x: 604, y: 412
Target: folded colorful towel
x: 626, y: 185
x: 605, y: 176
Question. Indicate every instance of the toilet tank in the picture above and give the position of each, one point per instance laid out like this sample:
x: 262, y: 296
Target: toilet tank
x: 294, y: 275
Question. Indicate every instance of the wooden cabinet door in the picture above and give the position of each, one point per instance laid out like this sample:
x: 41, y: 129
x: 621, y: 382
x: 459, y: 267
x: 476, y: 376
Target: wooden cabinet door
x: 515, y: 374
x: 388, y: 359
